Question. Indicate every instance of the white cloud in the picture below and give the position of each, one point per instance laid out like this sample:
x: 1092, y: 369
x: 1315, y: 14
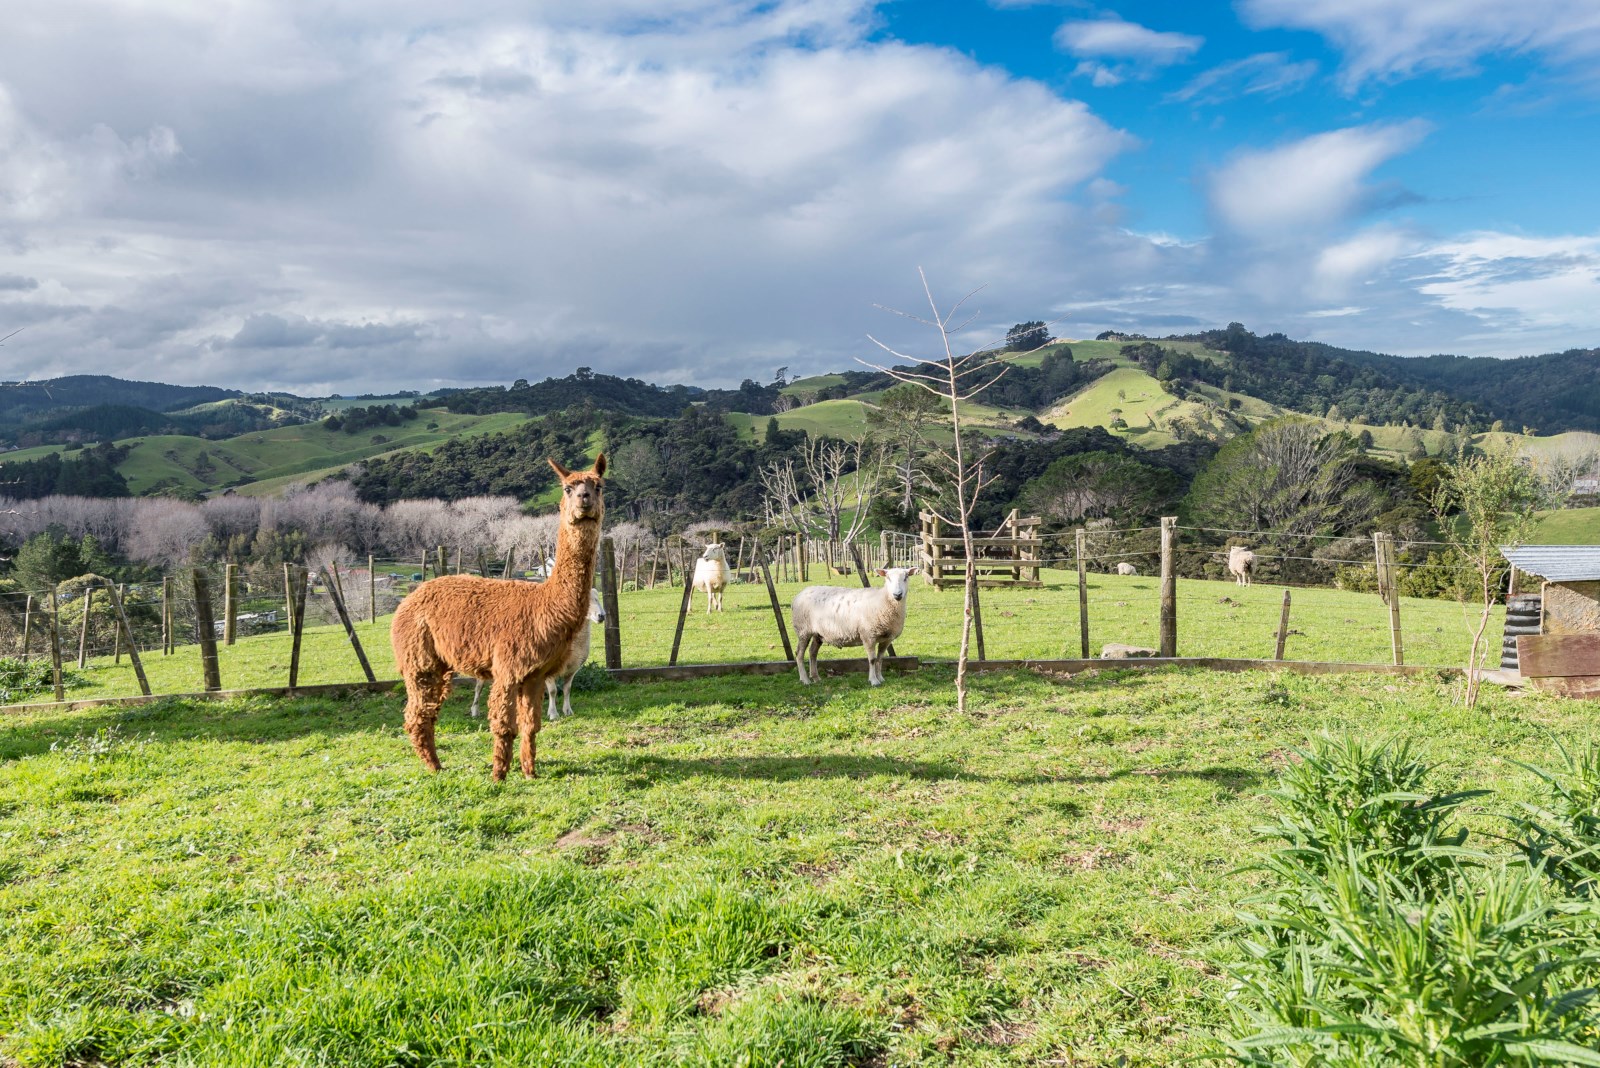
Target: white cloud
x: 1359, y: 259
x: 1393, y: 39
x: 1541, y: 291
x: 1269, y: 74
x: 1310, y: 184
x: 1117, y: 39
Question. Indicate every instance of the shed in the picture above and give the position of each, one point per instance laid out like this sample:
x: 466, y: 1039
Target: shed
x: 1570, y: 597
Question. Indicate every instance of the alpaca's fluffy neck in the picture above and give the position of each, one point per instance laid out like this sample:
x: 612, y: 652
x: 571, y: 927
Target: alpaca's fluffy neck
x: 573, y: 574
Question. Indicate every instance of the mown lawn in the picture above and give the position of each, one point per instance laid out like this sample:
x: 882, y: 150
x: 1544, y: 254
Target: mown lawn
x: 733, y: 871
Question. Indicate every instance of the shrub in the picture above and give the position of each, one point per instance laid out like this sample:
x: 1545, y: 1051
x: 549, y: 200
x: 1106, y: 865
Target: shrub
x: 22, y: 679
x: 1561, y: 834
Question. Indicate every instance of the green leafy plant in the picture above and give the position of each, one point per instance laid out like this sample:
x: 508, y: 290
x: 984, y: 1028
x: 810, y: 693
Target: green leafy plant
x: 1561, y: 834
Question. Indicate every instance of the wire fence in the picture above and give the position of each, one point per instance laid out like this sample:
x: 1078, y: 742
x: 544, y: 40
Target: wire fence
x: 1339, y: 608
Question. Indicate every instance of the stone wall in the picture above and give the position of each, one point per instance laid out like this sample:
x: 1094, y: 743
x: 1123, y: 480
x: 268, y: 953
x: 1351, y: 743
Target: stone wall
x: 1572, y: 608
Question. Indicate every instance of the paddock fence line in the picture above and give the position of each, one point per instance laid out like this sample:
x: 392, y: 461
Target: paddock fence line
x: 328, y: 625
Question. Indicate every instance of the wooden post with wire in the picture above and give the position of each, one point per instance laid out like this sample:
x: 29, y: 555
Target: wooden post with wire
x: 83, y: 629
x: 116, y: 631
x: 230, y: 602
x: 169, y: 641
x: 1283, y: 627
x: 27, y: 627
x: 206, y: 631
x: 977, y: 619
x: 608, y: 598
x: 777, y: 611
x: 299, y: 578
x: 336, y: 594
x: 372, y: 590
x: 1083, y: 594
x: 683, y: 612
x: 1391, y: 583
x: 124, y: 630
x: 1169, y: 587
x: 55, y: 646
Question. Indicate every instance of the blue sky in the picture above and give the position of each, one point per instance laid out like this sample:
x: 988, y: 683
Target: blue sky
x: 387, y: 194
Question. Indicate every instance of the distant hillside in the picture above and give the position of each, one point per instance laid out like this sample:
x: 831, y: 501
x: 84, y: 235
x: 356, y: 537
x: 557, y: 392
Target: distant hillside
x: 19, y: 400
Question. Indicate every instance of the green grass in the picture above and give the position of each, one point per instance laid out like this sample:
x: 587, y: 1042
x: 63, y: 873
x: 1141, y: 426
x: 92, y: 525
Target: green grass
x: 1568, y: 526
x: 1143, y: 405
x: 740, y: 871
x: 1112, y: 351
x: 1214, y: 619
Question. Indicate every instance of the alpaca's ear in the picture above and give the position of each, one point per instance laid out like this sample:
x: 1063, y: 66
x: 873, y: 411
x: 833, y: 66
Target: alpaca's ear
x: 600, y: 465
x: 561, y: 472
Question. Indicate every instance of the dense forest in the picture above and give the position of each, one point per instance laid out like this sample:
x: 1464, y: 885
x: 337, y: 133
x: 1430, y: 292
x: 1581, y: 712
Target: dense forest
x: 83, y: 473
x: 626, y: 396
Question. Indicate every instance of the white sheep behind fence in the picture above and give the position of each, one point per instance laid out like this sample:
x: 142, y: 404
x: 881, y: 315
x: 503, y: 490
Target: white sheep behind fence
x: 711, y: 576
x: 1241, y: 564
x: 871, y: 618
x: 577, y: 656
x: 1126, y: 569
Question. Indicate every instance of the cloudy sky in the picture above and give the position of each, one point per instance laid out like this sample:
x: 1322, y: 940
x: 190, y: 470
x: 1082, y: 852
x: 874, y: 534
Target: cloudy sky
x: 354, y: 195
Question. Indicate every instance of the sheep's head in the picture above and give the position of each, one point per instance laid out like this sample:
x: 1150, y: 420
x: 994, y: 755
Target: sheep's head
x: 895, y: 580
x: 597, y: 607
x: 582, y: 492
x: 715, y: 552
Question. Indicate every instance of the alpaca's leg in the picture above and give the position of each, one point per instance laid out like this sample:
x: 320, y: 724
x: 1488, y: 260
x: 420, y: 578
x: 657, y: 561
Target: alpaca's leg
x: 502, y: 724
x: 530, y: 706
x: 425, y: 692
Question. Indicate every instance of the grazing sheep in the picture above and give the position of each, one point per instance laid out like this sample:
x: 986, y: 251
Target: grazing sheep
x: 516, y: 633
x: 578, y: 657
x: 842, y: 617
x: 711, y: 575
x: 1241, y: 564
x: 1127, y: 569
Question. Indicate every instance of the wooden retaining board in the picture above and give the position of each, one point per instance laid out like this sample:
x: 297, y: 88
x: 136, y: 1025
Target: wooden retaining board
x: 1567, y: 664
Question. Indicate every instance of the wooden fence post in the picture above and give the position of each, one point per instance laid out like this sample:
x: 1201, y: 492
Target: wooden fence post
x: 125, y: 630
x: 83, y: 630
x: 206, y: 630
x: 777, y: 610
x: 423, y: 570
x: 27, y: 627
x: 1393, y: 585
x: 608, y: 597
x: 297, y: 617
x: 372, y: 590
x: 116, y: 631
x: 169, y: 640
x: 336, y: 594
x: 1169, y: 588
x: 511, y: 563
x: 1283, y: 627
x: 683, y: 611
x: 230, y: 603
x: 439, y: 568
x: 1083, y: 595
x: 55, y: 646
x: 977, y: 616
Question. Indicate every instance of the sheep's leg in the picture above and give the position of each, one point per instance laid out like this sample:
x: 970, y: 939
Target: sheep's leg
x: 502, y: 724
x: 802, y: 643
x: 550, y: 686
x: 874, y: 663
x: 530, y: 706
x: 566, y: 695
x: 477, y: 692
x: 424, y: 694
x: 816, y: 647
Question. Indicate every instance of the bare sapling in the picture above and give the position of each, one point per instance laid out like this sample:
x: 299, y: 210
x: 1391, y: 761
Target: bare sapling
x: 828, y: 495
x: 1485, y: 503
x: 953, y: 378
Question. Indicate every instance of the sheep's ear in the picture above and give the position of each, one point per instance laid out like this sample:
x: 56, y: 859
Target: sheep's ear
x: 880, y: 572
x: 600, y: 465
x: 561, y: 472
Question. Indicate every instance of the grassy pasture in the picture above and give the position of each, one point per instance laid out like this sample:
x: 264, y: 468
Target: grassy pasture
x: 737, y: 871
x: 1214, y: 619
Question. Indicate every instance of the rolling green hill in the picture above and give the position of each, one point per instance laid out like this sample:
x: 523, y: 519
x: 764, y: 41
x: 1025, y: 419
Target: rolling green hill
x: 272, y: 458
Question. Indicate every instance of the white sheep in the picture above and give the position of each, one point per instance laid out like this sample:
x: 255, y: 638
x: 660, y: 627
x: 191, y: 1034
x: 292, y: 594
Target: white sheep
x: 871, y: 618
x: 711, y: 575
x: 1126, y: 569
x: 577, y: 656
x: 1241, y: 564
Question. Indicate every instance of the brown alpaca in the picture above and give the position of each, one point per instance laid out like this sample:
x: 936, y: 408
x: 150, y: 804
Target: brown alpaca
x: 516, y: 634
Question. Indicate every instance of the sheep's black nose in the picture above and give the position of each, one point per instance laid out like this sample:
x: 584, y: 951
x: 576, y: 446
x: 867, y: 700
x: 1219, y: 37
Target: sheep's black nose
x: 899, y: 596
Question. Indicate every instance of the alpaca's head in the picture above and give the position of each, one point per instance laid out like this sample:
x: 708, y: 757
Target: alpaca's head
x: 582, y: 492
x: 715, y: 552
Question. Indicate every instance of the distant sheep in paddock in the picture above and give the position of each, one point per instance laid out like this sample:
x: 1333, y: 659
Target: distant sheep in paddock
x: 562, y: 679
x: 871, y: 618
x: 1127, y: 569
x: 711, y: 575
x: 1241, y: 564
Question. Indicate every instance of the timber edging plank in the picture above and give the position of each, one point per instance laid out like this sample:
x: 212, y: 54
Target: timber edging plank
x: 780, y: 667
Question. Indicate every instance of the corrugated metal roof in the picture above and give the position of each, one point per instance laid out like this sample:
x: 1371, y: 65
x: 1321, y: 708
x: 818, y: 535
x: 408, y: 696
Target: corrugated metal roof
x: 1557, y: 563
